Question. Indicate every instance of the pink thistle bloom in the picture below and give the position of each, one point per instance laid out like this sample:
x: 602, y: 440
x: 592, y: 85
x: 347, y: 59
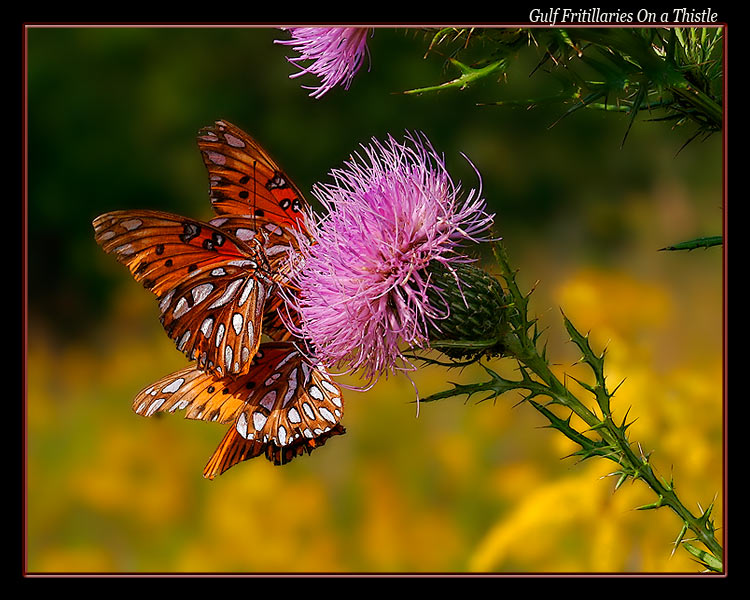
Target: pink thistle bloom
x: 361, y: 280
x: 336, y: 54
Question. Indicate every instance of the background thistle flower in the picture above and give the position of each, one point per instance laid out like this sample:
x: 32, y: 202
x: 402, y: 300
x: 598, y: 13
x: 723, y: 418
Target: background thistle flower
x: 336, y: 54
x: 375, y: 275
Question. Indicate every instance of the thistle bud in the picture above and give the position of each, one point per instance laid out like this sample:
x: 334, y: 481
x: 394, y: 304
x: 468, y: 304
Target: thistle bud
x: 476, y: 323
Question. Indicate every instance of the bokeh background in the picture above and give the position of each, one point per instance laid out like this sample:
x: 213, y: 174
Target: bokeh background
x: 465, y: 486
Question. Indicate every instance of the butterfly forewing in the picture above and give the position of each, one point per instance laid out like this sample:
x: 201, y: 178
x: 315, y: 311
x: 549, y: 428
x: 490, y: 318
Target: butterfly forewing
x: 211, y: 286
x: 277, y: 241
x: 245, y: 180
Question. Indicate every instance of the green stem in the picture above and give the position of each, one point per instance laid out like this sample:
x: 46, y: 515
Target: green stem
x: 615, y: 438
x: 523, y: 347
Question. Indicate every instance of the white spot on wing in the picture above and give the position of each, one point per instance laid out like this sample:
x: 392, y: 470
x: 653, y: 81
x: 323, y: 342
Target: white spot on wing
x: 174, y: 386
x: 294, y: 416
x: 329, y: 387
x: 154, y: 406
x: 183, y: 340
x: 273, y: 228
x: 181, y: 308
x: 243, y: 263
x: 326, y: 414
x: 216, y: 158
x: 268, y: 400
x: 201, y: 291
x: 207, y: 326
x: 291, y: 387
x: 165, y: 302
x: 245, y: 234
x: 308, y: 410
x: 259, y: 420
x: 246, y: 291
x: 131, y: 224
x: 233, y: 141
x: 272, y: 378
x: 228, y: 294
x: 286, y: 359
x: 237, y: 322
x: 242, y: 425
x: 277, y: 249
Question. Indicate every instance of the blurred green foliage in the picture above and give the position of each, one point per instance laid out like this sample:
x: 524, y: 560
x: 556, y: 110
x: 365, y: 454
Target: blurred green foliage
x: 112, y: 118
x: 113, y: 113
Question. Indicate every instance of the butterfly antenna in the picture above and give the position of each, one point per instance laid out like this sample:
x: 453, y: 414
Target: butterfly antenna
x: 255, y: 195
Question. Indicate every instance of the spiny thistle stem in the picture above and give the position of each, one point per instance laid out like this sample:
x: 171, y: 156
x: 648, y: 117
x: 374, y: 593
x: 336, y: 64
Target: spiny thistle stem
x: 520, y: 341
x: 613, y: 435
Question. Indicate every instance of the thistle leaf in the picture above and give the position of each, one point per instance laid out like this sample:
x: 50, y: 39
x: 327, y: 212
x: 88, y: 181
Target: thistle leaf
x: 707, y: 559
x: 700, y: 242
x: 469, y: 75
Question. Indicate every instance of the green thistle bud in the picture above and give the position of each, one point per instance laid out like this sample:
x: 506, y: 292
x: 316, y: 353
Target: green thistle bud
x: 477, y: 322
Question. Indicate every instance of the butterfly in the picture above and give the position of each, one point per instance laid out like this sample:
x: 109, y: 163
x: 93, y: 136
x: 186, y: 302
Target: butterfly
x: 217, y: 285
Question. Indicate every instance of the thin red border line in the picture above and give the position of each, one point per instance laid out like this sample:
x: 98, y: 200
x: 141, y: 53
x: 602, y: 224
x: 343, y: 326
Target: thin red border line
x: 392, y: 25
x: 725, y: 314
x: 24, y: 300
x: 24, y: 292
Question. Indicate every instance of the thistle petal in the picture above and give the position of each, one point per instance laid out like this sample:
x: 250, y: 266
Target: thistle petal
x: 335, y: 54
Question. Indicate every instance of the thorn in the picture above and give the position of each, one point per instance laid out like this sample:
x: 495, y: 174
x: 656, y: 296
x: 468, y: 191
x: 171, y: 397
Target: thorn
x: 617, y: 387
x: 679, y: 539
x: 658, y: 504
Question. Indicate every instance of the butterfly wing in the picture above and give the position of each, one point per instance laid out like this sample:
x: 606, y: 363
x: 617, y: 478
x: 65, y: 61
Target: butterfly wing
x: 211, y: 286
x: 283, y: 407
x: 234, y: 449
x: 278, y: 243
x: 245, y: 180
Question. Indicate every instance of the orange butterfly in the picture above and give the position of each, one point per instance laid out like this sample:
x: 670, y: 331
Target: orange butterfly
x: 216, y: 284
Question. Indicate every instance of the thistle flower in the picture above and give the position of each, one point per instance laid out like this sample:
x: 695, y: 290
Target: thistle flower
x: 336, y: 54
x: 382, y: 265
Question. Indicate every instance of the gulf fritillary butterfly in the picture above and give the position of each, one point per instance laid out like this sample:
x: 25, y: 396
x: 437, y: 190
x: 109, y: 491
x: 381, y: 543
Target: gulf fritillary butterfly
x: 216, y: 284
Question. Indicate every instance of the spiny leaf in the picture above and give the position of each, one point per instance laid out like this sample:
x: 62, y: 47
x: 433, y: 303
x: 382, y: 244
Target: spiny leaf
x: 700, y: 242
x: 582, y: 341
x: 469, y: 75
x: 707, y: 559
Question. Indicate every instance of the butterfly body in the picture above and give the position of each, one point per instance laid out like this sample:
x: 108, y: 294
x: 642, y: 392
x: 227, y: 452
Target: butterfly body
x: 216, y: 284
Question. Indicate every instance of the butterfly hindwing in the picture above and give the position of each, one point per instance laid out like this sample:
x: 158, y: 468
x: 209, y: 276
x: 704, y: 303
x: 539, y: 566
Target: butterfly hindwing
x: 292, y: 400
x: 199, y: 393
x: 234, y: 449
x: 283, y: 407
x: 245, y: 180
